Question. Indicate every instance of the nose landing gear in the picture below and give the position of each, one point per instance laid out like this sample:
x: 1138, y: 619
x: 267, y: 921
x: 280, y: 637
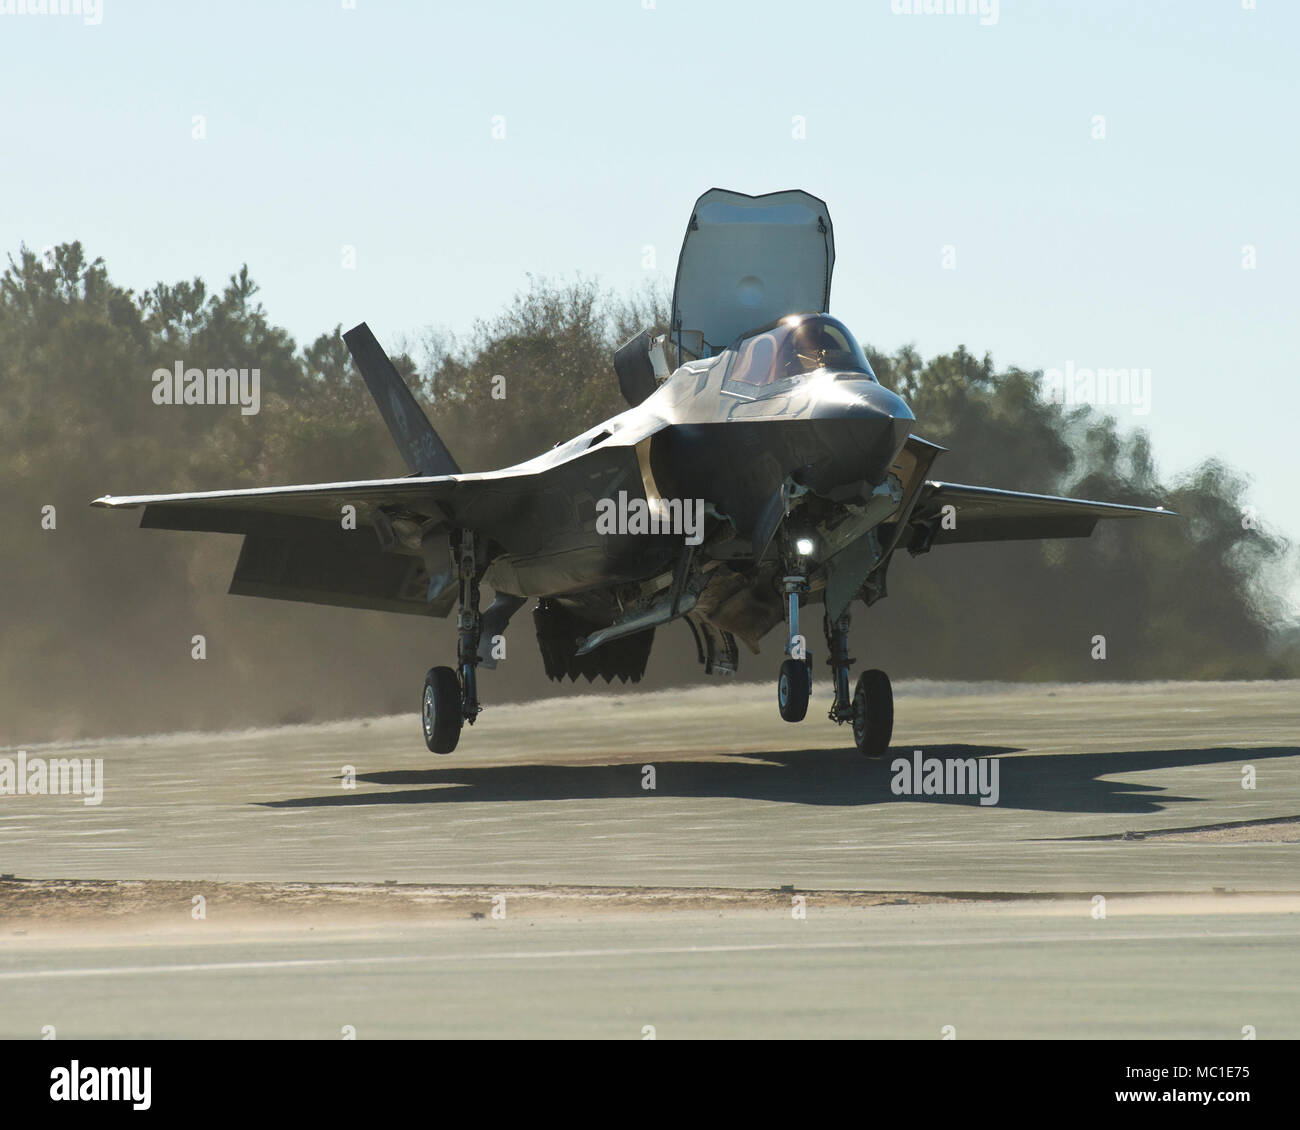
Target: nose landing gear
x: 870, y: 710
x: 794, y: 684
x: 440, y: 710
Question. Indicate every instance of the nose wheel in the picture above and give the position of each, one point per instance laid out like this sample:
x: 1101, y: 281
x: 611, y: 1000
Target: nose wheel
x: 440, y: 710
x: 793, y: 686
x: 794, y: 683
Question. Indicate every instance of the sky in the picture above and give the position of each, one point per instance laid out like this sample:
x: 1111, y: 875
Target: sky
x: 1101, y: 184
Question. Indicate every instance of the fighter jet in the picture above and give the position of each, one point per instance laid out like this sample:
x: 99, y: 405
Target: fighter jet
x: 769, y: 472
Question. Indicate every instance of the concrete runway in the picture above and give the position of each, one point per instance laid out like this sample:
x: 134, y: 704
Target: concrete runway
x: 1105, y: 790
x: 898, y: 972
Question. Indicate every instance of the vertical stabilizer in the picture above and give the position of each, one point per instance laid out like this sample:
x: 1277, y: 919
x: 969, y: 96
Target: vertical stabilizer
x: 421, y: 447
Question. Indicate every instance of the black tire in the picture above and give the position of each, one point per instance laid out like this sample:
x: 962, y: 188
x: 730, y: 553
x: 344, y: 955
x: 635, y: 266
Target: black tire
x: 793, y: 686
x: 440, y: 712
x: 873, y: 713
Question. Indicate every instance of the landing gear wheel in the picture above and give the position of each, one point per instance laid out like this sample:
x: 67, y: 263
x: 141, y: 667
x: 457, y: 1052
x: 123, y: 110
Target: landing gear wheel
x: 440, y: 710
x: 792, y: 689
x: 873, y: 713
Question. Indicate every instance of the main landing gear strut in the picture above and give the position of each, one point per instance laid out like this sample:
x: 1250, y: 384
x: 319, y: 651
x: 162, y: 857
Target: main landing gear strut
x: 871, y: 709
x: 451, y: 696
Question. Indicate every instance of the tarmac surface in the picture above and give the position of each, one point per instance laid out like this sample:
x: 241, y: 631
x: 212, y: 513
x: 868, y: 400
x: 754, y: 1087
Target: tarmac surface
x: 770, y: 883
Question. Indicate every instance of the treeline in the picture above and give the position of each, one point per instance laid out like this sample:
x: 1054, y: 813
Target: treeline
x: 99, y: 618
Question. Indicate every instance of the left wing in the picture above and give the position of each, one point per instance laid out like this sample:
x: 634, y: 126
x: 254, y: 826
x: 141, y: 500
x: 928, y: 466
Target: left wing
x: 296, y: 546
x: 989, y: 514
x: 395, y: 555
x: 312, y: 542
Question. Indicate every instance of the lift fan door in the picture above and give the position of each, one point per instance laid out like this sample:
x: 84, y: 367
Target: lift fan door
x: 747, y: 261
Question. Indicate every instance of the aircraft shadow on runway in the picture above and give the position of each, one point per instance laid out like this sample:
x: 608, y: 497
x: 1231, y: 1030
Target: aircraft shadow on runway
x: 838, y: 777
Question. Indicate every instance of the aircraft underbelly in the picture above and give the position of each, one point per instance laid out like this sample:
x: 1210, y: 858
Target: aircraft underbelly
x: 595, y: 563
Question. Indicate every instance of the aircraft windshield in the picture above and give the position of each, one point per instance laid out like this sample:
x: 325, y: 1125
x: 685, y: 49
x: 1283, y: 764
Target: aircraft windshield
x: 794, y: 346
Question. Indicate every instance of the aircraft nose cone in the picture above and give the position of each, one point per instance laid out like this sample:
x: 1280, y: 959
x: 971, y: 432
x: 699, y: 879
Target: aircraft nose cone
x: 853, y: 395
x: 864, y: 424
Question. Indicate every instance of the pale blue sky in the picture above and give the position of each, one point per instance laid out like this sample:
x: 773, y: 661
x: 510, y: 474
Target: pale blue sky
x: 373, y: 127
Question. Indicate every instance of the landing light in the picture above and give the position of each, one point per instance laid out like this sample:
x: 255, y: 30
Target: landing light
x: 804, y: 546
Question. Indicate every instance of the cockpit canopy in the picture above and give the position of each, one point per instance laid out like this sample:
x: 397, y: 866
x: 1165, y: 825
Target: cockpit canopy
x: 792, y: 347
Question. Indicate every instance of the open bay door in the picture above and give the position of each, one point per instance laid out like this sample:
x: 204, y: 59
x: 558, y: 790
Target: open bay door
x: 747, y: 261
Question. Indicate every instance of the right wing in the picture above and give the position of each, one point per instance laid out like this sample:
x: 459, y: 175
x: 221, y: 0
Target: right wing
x: 989, y: 514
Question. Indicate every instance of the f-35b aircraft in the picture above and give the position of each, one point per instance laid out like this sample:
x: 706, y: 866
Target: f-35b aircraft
x: 769, y: 472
